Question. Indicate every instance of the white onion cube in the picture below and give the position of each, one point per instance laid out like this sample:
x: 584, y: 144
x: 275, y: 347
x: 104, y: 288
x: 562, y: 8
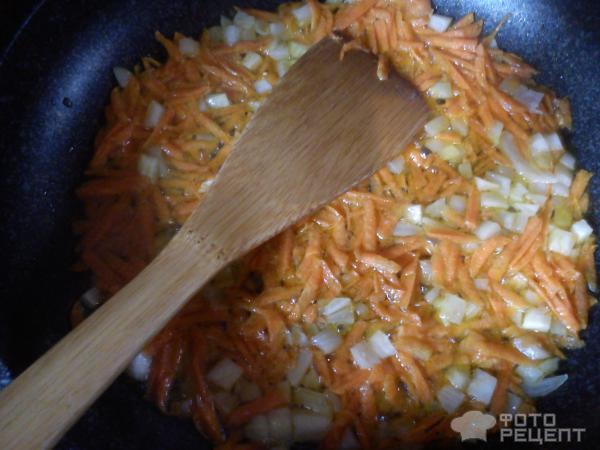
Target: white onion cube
x: 122, y: 75
x: 537, y: 319
x: 582, y: 230
x: 364, y: 355
x: 189, y: 47
x: 450, y: 398
x: 482, y: 386
x: 439, y: 23
x: 381, y: 344
x: 225, y: 374
x: 487, y: 230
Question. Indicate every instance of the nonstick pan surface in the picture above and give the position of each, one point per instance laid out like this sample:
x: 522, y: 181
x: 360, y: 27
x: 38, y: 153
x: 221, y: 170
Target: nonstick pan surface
x: 55, y: 78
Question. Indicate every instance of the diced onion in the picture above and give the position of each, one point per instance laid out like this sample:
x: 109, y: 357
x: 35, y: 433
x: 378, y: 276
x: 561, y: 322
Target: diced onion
x: 327, y: 340
x: 472, y: 310
x: 530, y: 347
x: 524, y: 168
x: 452, y: 153
x: 91, y: 298
x: 527, y: 208
x: 482, y: 284
x: 254, y: 104
x: 244, y: 20
x: 538, y: 144
x: 495, y: 131
x: 189, y: 47
x: 298, y: 336
x: 432, y: 294
x: 558, y: 328
x: 381, y: 344
x: 302, y: 14
x: 450, y: 398
x: 139, y: 367
x: 582, y: 230
x: 568, y: 161
x: 536, y: 319
x: 436, y: 126
x: 441, y: 90
x: 510, y: 85
x: 406, y: 229
x: 277, y: 51
x: 485, y: 185
x: 493, y: 200
x: 435, y: 145
x: 313, y: 401
x: 261, y: 27
x: 487, y: 230
x: 426, y: 271
x: 153, y: 114
x: 309, y: 427
x: 554, y: 141
x: 560, y: 190
x: 339, y: 311
x: 276, y: 29
x: 257, y: 430
x: 517, y: 192
x: 451, y: 308
x: 396, y: 166
x: 280, y: 425
x: 436, y: 208
x: 150, y: 167
x: 225, y: 402
x: 262, y: 86
x: 561, y: 241
x: 502, y: 181
x: 545, y: 386
x: 529, y: 98
x: 217, y: 100
x: 414, y: 214
x: 225, y: 374
x: 205, y: 186
x: 531, y: 296
x: 297, y: 371
x: 364, y: 355
x: 465, y: 170
x: 282, y: 67
x: 297, y: 50
x: 458, y: 203
x: 122, y: 76
x: 231, y: 34
x: 251, y: 60
x: 459, y: 377
x: 460, y: 125
x: 439, y: 23
x: 482, y: 386
x: 532, y: 373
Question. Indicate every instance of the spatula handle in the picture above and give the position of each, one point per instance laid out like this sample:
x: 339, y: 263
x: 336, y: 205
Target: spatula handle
x: 42, y: 403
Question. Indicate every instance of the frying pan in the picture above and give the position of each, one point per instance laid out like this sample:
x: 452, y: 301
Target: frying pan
x: 55, y: 78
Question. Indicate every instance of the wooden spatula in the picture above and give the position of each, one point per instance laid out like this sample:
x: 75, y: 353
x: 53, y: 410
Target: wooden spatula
x: 327, y: 125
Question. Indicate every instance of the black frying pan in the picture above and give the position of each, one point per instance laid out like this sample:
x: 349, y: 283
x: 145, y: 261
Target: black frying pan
x: 55, y: 78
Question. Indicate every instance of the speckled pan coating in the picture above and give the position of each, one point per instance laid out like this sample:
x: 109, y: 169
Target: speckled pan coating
x: 54, y: 82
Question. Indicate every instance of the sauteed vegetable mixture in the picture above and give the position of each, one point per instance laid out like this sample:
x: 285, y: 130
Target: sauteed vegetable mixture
x: 451, y: 280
